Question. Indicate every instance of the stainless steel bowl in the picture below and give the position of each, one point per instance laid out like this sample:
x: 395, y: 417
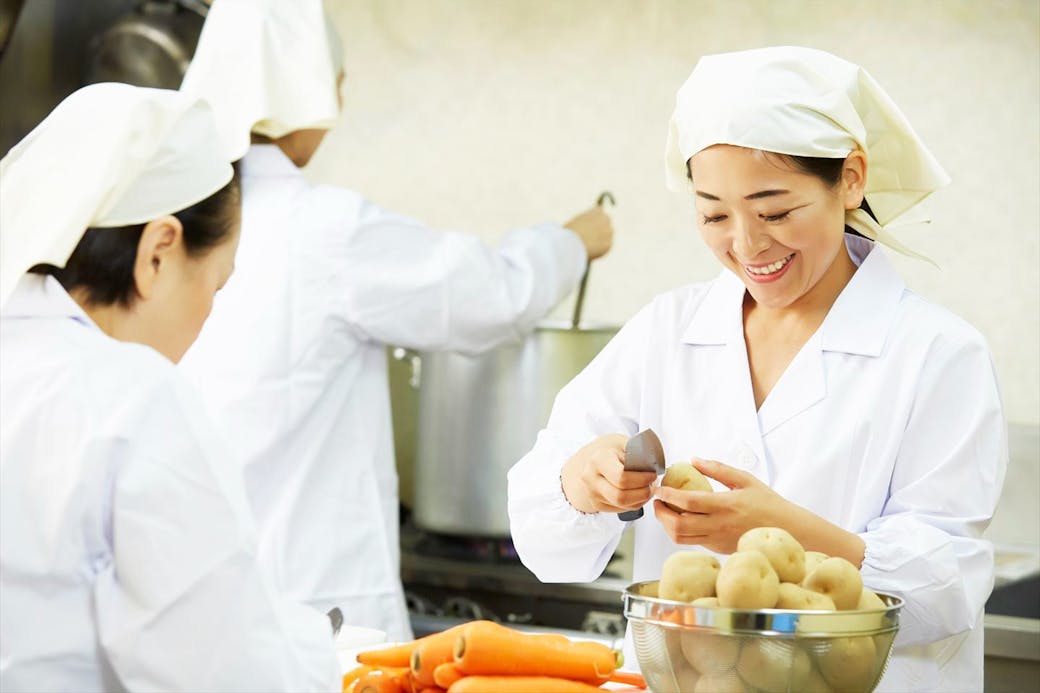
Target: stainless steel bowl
x: 686, y: 649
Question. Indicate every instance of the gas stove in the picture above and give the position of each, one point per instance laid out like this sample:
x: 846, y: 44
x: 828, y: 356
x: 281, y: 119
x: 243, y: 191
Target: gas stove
x: 450, y: 579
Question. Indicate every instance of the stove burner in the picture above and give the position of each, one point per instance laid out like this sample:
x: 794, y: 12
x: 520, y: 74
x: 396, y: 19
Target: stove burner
x: 476, y: 549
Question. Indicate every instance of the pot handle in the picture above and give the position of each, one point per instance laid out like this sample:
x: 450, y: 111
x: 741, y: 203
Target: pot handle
x: 414, y: 360
x: 604, y: 197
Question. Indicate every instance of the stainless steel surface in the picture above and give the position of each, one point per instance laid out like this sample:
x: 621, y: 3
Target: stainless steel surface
x: 579, y: 301
x: 9, y: 11
x: 1012, y: 637
x: 150, y: 46
x: 643, y: 453
x: 478, y: 415
x: 779, y: 650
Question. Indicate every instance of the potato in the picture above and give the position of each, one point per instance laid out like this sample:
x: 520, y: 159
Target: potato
x: 839, y: 580
x: 869, y: 600
x: 722, y: 683
x: 688, y: 575
x: 706, y: 601
x: 774, y: 665
x: 796, y: 597
x: 816, y: 683
x: 813, y: 559
x: 685, y: 677
x: 849, y: 664
x: 710, y: 653
x: 747, y: 581
x: 784, y: 552
x: 685, y: 477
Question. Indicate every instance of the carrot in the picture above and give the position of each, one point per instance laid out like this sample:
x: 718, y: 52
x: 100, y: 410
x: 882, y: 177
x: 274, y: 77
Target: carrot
x: 354, y: 674
x: 432, y: 689
x: 401, y: 655
x: 446, y: 674
x: 629, y: 678
x: 520, y: 684
x: 430, y: 654
x: 378, y: 682
x: 485, y: 648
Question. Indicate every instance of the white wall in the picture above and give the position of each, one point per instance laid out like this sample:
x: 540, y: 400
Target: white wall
x: 482, y: 115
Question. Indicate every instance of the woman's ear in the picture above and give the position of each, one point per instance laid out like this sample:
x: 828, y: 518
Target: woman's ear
x: 854, y: 178
x: 160, y: 240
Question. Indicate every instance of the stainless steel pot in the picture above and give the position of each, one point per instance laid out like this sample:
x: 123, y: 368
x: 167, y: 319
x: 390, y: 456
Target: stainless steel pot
x: 478, y: 415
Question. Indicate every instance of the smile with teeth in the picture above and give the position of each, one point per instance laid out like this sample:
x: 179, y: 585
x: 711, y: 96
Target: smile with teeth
x: 769, y: 269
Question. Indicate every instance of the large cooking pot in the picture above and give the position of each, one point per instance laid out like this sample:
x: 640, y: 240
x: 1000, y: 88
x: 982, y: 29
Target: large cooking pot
x: 478, y: 415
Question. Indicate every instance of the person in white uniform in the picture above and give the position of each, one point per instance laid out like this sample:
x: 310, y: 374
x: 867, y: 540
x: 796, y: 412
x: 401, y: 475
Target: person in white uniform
x: 127, y: 550
x: 814, y: 389
x: 293, y: 360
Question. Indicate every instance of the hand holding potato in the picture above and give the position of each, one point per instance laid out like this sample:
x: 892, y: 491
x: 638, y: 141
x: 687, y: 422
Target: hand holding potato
x: 717, y: 520
x: 594, y: 479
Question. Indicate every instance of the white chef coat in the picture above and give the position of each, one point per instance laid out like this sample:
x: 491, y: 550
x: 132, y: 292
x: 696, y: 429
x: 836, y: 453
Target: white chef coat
x: 127, y: 559
x: 888, y: 423
x: 292, y: 363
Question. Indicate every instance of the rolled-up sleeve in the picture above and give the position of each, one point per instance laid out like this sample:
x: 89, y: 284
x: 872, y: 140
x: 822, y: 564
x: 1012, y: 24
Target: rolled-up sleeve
x: 927, y: 545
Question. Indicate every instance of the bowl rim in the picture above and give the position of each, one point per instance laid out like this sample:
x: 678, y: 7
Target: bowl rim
x: 762, y: 622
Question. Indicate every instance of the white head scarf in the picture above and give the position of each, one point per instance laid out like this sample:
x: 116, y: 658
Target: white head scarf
x: 108, y: 155
x: 266, y: 66
x: 805, y: 102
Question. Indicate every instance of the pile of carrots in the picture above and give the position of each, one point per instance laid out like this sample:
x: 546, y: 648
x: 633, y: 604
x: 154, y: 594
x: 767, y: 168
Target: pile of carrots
x: 486, y: 657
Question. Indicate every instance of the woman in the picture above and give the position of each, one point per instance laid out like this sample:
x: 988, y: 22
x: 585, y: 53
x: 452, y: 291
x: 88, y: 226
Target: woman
x: 806, y: 380
x: 127, y: 559
x: 293, y: 360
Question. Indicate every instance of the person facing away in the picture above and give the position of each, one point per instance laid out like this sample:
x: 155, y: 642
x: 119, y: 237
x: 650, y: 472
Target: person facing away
x: 807, y: 382
x: 127, y: 550
x: 292, y: 362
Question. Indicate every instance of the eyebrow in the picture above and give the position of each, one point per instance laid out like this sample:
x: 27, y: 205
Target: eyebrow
x: 753, y: 196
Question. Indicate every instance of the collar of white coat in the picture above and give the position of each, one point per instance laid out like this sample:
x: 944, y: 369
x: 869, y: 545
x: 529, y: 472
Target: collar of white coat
x: 858, y: 322
x: 42, y: 296
x: 268, y: 160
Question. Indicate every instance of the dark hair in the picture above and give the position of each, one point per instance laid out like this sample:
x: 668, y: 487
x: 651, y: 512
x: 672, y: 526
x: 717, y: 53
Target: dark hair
x: 827, y: 169
x: 102, y: 263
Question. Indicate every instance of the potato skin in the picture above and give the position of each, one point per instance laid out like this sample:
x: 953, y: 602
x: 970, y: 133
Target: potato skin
x: 688, y: 575
x: 868, y: 599
x: 839, y: 580
x: 850, y: 663
x: 775, y: 666
x: 710, y: 653
x: 685, y: 477
x: 813, y: 559
x: 784, y: 552
x: 747, y: 581
x: 798, y: 598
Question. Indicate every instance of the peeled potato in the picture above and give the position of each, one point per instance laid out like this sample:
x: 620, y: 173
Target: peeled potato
x: 722, y: 683
x: 710, y: 653
x: 747, y: 581
x: 784, y: 552
x: 706, y: 601
x: 685, y: 477
x: 869, y: 600
x: 849, y: 663
x: 688, y: 575
x: 813, y: 559
x: 816, y: 683
x: 796, y: 597
x: 774, y: 665
x: 839, y: 580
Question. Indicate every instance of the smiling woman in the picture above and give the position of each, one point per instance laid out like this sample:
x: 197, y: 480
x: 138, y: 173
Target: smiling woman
x: 806, y: 382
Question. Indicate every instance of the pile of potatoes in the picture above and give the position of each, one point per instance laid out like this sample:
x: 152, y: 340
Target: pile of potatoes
x: 770, y: 569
